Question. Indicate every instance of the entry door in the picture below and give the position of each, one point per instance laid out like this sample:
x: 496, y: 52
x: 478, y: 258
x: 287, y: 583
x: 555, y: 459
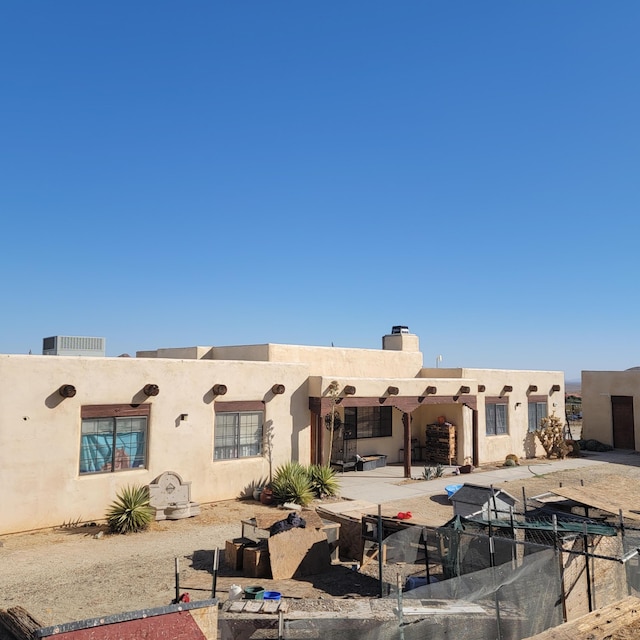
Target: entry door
x: 623, y: 427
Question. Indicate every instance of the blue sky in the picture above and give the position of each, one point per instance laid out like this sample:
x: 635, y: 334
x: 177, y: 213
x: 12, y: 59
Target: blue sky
x: 314, y: 173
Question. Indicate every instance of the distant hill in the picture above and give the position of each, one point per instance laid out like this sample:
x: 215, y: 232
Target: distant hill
x: 573, y: 386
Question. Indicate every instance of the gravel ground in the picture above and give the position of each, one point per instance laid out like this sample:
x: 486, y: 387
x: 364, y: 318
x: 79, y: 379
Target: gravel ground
x: 68, y: 574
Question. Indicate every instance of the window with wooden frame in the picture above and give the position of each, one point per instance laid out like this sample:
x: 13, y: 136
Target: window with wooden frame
x: 114, y: 438
x: 367, y: 422
x: 496, y: 414
x: 238, y: 430
x: 537, y: 410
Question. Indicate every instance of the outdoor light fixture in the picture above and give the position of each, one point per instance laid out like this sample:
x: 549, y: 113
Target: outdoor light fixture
x: 393, y: 391
x: 219, y: 389
x: 349, y: 390
x: 464, y: 390
x: 184, y: 416
x: 532, y: 388
x: 278, y: 389
x: 429, y: 390
x: 67, y: 391
x: 151, y: 390
x: 481, y: 388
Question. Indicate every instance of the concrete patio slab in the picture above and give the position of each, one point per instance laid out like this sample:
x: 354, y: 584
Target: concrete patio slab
x: 387, y: 484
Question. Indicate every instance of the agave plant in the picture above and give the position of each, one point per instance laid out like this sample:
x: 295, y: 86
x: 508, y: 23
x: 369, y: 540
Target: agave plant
x: 130, y: 511
x: 323, y: 480
x: 291, y: 483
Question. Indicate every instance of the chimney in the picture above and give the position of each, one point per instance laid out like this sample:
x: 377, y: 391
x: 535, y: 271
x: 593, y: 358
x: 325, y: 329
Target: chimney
x: 400, y: 340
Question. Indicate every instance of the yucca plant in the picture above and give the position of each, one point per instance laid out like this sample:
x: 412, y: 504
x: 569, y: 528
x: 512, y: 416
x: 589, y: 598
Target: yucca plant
x: 323, y: 480
x: 130, y: 511
x: 291, y: 483
x: 428, y: 473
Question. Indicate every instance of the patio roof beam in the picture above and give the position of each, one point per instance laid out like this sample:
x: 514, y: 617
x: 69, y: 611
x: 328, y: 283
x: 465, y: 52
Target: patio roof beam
x: 407, y: 404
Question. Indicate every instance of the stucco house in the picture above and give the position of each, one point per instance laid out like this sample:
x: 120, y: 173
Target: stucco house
x: 74, y: 430
x: 610, y: 403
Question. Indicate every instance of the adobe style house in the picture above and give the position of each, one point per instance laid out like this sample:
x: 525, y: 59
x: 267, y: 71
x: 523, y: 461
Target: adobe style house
x: 610, y: 400
x: 74, y: 430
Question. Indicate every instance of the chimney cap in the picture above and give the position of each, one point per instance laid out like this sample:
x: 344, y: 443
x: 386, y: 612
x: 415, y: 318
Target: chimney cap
x: 399, y: 328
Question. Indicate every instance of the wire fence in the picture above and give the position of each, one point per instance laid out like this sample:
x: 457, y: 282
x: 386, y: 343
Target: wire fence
x: 508, y: 578
x: 515, y: 575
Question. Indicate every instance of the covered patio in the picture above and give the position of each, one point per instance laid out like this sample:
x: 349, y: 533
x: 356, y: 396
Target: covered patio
x: 351, y: 417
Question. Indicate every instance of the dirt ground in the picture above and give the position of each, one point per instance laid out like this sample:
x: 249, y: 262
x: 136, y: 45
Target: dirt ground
x: 73, y: 573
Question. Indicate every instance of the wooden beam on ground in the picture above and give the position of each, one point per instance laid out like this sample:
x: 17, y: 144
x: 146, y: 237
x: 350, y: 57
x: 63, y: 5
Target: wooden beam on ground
x: 604, y: 496
x: 17, y: 623
x: 617, y: 621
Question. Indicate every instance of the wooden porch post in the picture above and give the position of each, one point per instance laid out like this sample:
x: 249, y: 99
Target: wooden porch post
x: 317, y: 431
x: 406, y: 422
x: 319, y: 457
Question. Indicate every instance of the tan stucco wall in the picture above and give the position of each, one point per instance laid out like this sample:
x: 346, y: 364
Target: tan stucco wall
x: 320, y: 360
x: 597, y: 389
x: 186, y: 353
x: 256, y: 352
x: 40, y: 431
x: 334, y: 361
x: 518, y: 441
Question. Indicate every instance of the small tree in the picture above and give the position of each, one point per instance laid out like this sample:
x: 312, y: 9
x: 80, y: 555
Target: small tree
x: 551, y: 436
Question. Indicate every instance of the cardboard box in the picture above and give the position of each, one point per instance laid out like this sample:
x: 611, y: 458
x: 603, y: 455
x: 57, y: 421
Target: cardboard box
x: 234, y: 552
x: 256, y: 562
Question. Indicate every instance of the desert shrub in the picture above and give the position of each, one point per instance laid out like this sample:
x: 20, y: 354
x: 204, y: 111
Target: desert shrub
x: 551, y: 436
x: 130, y: 511
x: 432, y: 472
x: 323, y: 480
x: 294, y: 482
x: 291, y: 483
x: 573, y: 448
x: 594, y: 445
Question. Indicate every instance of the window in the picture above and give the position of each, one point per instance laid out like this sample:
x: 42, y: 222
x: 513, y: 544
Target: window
x: 367, y: 422
x: 114, y: 438
x: 537, y: 411
x: 496, y: 419
x: 238, y: 435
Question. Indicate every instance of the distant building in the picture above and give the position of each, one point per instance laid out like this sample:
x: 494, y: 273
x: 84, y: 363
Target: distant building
x: 610, y: 405
x: 73, y: 346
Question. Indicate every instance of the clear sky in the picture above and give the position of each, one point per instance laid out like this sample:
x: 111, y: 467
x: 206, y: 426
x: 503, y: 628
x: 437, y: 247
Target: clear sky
x: 215, y: 173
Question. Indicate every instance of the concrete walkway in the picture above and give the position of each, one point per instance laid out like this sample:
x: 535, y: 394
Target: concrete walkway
x: 385, y: 484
